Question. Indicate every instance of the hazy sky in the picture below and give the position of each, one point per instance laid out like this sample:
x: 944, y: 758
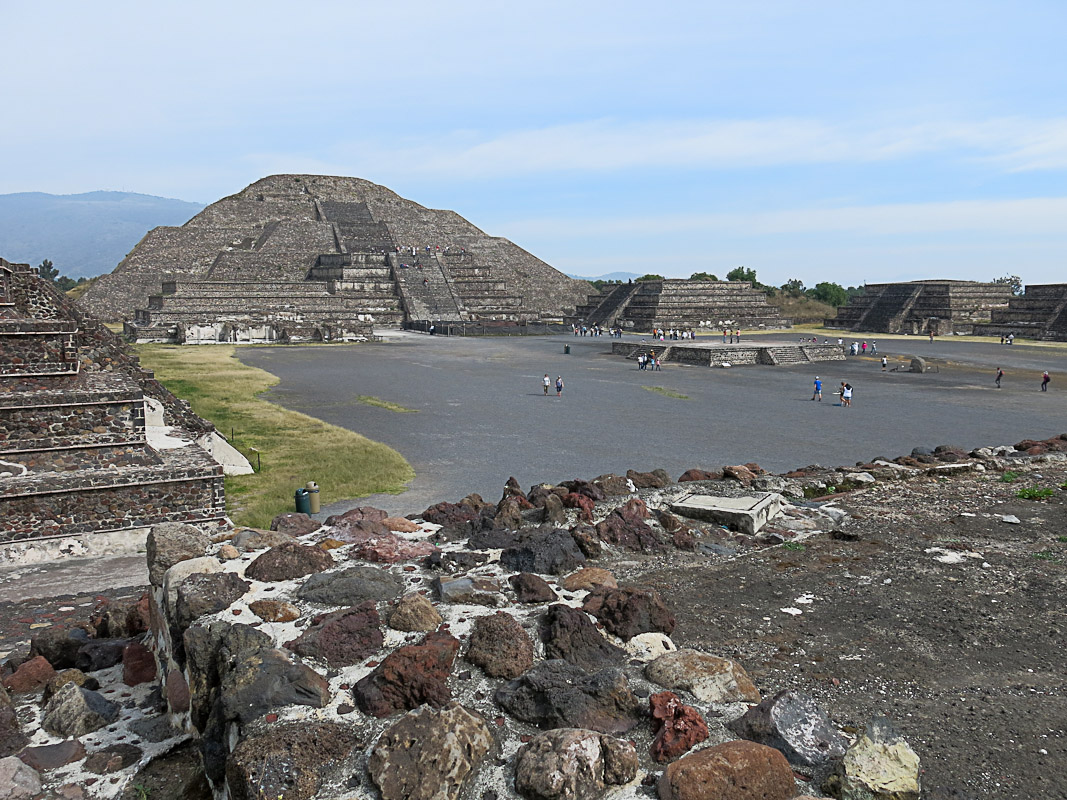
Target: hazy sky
x: 843, y: 141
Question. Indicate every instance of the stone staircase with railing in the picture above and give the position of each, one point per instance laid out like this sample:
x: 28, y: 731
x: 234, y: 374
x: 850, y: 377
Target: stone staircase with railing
x: 604, y: 309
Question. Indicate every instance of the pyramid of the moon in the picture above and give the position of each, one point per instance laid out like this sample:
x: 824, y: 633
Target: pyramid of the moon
x: 295, y: 257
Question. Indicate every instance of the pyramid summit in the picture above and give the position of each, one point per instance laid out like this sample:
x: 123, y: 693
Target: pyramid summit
x: 294, y: 257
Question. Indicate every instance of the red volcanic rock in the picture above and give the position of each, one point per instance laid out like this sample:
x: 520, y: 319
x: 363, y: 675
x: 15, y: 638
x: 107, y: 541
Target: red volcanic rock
x: 409, y: 677
x: 730, y: 771
x: 677, y: 726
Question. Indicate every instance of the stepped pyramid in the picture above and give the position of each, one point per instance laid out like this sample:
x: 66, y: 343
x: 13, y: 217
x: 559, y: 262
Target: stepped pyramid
x: 677, y: 303
x: 935, y: 306
x: 310, y: 257
x: 1040, y: 313
x: 74, y: 453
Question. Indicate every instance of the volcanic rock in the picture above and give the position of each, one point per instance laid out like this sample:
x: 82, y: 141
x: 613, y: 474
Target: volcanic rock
x: 138, y: 664
x: 708, y: 678
x: 629, y: 610
x: 356, y: 515
x: 274, y: 610
x: 59, y: 647
x: 63, y: 677
x: 612, y: 485
x: 466, y: 590
x: 99, y: 654
x: 12, y: 739
x: 53, y: 756
x: 500, y: 646
x: 286, y: 762
x: 793, y: 724
x: 171, y: 542
x: 269, y: 678
x: 582, y: 503
x: 200, y: 595
x: 248, y: 539
x: 429, y: 754
x: 699, y: 475
x: 294, y: 524
x: 589, y: 489
x: 555, y: 694
x: 389, y: 548
x: 113, y: 758
x: 656, y: 479
x: 175, y: 775
x: 570, y: 635
x: 75, y: 711
x: 414, y: 613
x: 626, y: 528
x: 408, y: 677
x: 587, y: 540
x: 587, y: 579
x: 547, y: 550
x: 287, y: 561
x: 29, y: 676
x: 342, y: 638
x: 508, y: 514
x: 350, y: 587
x: 530, y: 588
x: 573, y: 764
x: 730, y: 771
x: 210, y: 650
x: 880, y: 765
x: 554, y: 512
x: 677, y: 727
x: 20, y: 781
x: 649, y: 646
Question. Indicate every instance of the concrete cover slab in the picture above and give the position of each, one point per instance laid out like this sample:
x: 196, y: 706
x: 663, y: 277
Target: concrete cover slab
x: 747, y: 514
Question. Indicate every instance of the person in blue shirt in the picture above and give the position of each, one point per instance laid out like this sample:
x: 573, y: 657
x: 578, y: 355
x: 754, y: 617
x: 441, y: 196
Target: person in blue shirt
x: 818, y: 389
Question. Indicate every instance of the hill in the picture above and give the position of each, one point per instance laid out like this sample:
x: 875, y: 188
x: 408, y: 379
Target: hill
x: 84, y: 235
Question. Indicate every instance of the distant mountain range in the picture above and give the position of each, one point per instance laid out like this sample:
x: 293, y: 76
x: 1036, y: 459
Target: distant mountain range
x: 611, y: 276
x: 83, y: 235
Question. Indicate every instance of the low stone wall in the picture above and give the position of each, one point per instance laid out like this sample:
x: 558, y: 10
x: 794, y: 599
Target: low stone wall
x: 737, y: 355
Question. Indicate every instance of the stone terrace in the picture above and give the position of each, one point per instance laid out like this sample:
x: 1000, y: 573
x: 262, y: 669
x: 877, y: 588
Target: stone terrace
x: 73, y: 444
x: 940, y: 307
x: 685, y: 304
x: 1041, y: 313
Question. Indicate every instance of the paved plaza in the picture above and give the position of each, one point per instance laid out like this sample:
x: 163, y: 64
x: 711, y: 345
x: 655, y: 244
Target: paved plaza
x: 483, y: 416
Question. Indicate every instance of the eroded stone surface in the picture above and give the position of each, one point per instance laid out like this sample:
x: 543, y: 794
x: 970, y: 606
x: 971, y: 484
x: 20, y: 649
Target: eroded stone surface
x: 408, y: 677
x: 287, y: 561
x: 75, y: 711
x: 708, y: 678
x: 341, y: 638
x: 794, y: 724
x: 573, y: 764
x: 429, y: 754
x: 350, y: 587
x: 677, y: 727
x: 730, y: 771
x: 500, y: 646
x: 880, y: 765
x: 287, y: 762
x: 171, y: 542
x: 414, y: 612
x: 629, y: 610
x: 569, y: 634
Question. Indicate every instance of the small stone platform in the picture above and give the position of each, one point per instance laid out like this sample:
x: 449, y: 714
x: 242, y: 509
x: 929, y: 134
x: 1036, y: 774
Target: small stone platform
x: 746, y: 514
x: 712, y: 354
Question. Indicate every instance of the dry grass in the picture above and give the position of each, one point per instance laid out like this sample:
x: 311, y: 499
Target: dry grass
x: 294, y: 448
x: 803, y: 310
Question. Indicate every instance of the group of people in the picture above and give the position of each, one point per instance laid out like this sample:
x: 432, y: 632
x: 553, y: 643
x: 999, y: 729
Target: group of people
x: 673, y: 334
x: 735, y: 333
x: 547, y: 383
x: 1009, y: 339
x: 649, y: 362
x: 596, y: 330
x: 845, y: 391
x: 861, y: 349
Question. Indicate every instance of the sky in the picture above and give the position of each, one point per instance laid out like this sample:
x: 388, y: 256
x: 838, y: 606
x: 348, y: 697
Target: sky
x: 822, y: 141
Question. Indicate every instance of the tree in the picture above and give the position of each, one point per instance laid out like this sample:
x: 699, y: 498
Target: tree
x: 47, y: 271
x: 651, y: 277
x: 703, y: 276
x: 743, y: 274
x: 1014, y: 281
x: 793, y: 287
x: 831, y: 293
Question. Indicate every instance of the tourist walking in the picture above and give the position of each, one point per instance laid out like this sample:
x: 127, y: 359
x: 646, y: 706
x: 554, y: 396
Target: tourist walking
x: 884, y: 363
x: 1044, y: 381
x: 817, y: 394
x: 559, y: 386
x: 548, y: 383
x: 846, y: 395
x: 1000, y: 374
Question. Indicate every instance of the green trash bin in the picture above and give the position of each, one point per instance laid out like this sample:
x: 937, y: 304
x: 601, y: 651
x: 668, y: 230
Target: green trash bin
x: 303, y: 501
x: 566, y: 349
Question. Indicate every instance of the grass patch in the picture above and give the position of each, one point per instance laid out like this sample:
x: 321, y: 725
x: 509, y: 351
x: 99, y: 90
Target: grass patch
x: 666, y: 392
x: 1061, y: 539
x: 294, y: 448
x: 794, y: 546
x: 1008, y: 477
x: 377, y: 402
x: 1047, y: 555
x: 1034, y: 493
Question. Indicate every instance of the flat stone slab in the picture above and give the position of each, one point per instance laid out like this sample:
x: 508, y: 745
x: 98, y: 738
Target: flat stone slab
x: 746, y: 514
